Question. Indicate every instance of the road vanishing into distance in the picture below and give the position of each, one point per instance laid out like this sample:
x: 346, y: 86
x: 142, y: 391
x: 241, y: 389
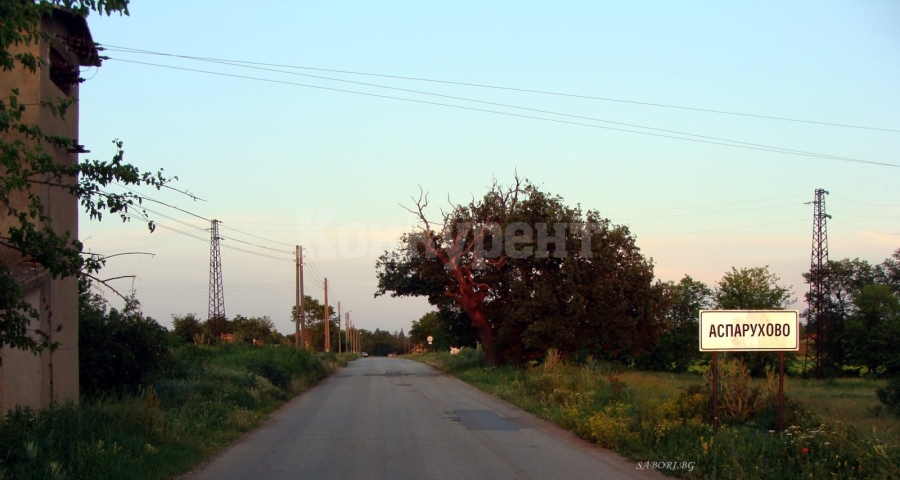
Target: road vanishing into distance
x: 390, y: 418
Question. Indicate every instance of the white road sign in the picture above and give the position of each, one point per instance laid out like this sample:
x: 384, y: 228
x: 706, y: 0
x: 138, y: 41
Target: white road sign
x: 749, y: 330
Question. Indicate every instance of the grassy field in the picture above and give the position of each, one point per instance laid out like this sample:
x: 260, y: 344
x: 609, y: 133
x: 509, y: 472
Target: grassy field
x: 211, y: 396
x: 834, y: 428
x: 850, y: 400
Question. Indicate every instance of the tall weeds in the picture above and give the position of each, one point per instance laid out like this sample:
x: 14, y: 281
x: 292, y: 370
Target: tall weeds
x: 665, y: 419
x: 212, y: 395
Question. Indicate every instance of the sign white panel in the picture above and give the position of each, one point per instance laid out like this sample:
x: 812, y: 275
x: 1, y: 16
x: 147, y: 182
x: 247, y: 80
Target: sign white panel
x: 749, y: 330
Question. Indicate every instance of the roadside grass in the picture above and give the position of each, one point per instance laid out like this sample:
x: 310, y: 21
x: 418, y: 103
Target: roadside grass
x: 850, y: 400
x: 832, y: 427
x: 210, y: 397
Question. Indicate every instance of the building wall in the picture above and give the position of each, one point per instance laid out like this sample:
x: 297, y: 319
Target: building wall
x: 25, y: 379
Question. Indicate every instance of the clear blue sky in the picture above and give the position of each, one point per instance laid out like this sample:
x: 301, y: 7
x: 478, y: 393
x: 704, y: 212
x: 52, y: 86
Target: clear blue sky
x: 328, y: 169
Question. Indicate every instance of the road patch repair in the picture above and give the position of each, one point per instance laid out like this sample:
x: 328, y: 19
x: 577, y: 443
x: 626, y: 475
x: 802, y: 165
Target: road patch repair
x: 484, y: 420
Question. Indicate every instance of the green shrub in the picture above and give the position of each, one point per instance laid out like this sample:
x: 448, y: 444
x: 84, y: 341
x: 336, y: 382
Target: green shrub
x: 890, y: 395
x: 212, y: 395
x: 118, y: 351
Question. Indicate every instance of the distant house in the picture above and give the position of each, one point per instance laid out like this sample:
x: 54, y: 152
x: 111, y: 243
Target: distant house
x: 27, y: 380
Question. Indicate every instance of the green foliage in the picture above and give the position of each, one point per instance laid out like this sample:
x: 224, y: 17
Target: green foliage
x: 858, y: 313
x: 633, y: 413
x: 187, y: 328
x: 314, y: 319
x: 589, y: 289
x: 677, y: 348
x: 118, y: 350
x: 889, y: 396
x: 27, y: 162
x: 871, y: 332
x: 466, y: 359
x: 450, y: 327
x: 250, y: 329
x: 163, y: 431
x: 278, y: 365
x: 751, y: 289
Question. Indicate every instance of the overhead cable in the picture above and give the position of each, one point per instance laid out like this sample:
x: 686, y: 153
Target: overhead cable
x: 733, y: 144
x: 514, y: 89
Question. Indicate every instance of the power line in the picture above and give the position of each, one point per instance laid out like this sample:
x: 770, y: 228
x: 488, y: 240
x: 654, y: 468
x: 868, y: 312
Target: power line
x: 313, y: 280
x: 720, y: 229
x: 312, y: 275
x: 862, y: 216
x: 273, y: 257
x: 718, y: 211
x: 313, y: 265
x: 707, y: 205
x: 173, y: 219
x: 718, y: 139
x: 863, y: 229
x: 864, y: 203
x: 314, y: 272
x: 144, y: 197
x: 182, y: 232
x: 205, y: 229
x: 256, y: 236
x: 566, y: 122
x: 315, y: 277
x: 232, y: 247
x: 496, y: 87
x: 255, y: 245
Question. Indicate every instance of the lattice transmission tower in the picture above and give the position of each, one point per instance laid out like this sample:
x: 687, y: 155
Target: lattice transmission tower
x: 819, y: 322
x: 216, y: 290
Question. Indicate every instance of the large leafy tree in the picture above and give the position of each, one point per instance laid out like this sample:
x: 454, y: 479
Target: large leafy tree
x: 530, y: 274
x: 754, y: 288
x: 443, y: 263
x: 27, y: 165
x: 314, y: 320
x: 678, y: 344
x: 841, y: 282
x: 861, y: 305
x: 187, y: 328
x: 889, y: 272
x: 871, y: 333
x: 250, y: 329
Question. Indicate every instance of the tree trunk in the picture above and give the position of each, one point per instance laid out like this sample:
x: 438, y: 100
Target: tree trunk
x: 485, y: 334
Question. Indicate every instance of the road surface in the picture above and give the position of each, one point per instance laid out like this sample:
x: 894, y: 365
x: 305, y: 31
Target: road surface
x: 390, y: 418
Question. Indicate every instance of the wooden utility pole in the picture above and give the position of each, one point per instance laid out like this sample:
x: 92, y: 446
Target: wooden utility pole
x: 297, y: 314
x: 347, y: 331
x: 339, y: 327
x: 349, y: 334
x: 304, y: 328
x: 327, y: 330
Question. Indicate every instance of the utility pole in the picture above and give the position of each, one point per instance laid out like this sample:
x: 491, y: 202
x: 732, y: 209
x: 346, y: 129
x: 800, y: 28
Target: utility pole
x: 327, y: 329
x: 350, y: 334
x: 339, y: 327
x: 298, y: 315
x: 347, y: 329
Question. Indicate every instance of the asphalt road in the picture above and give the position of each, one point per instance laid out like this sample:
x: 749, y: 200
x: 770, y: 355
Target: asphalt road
x: 389, y: 418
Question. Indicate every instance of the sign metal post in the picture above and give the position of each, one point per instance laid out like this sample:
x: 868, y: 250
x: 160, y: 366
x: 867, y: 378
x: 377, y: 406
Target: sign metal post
x: 749, y: 331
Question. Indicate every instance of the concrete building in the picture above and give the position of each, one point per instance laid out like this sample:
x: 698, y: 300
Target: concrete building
x: 29, y: 380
